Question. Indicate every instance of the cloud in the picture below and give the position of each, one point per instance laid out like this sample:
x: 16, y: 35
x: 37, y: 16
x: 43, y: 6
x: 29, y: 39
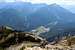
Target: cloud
x: 67, y: 2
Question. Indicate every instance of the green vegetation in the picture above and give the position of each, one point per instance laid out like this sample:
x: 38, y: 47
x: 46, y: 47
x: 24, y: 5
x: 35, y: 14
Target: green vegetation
x: 22, y: 48
x: 2, y: 48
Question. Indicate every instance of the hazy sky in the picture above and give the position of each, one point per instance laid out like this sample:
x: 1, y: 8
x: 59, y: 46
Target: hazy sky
x: 67, y: 2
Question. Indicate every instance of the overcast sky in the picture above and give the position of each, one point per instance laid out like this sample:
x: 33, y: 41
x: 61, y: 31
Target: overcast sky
x: 67, y: 2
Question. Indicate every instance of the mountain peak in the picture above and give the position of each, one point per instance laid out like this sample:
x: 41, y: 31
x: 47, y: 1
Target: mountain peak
x: 54, y: 4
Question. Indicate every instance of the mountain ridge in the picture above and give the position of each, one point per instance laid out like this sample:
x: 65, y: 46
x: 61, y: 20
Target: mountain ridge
x: 23, y: 19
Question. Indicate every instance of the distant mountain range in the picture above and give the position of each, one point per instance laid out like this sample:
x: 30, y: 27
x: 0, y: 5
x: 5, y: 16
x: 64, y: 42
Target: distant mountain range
x: 14, y: 14
x: 70, y: 7
x: 27, y: 16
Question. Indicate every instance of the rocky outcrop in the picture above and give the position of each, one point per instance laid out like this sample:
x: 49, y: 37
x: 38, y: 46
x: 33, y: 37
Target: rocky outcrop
x: 9, y: 37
